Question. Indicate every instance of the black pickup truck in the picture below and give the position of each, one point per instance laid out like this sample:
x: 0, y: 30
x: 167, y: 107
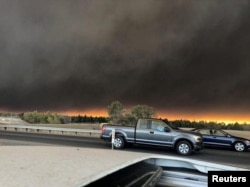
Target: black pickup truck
x: 153, y: 132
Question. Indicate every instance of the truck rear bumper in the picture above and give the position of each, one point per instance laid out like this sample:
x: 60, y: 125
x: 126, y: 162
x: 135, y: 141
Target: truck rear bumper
x: 105, y: 138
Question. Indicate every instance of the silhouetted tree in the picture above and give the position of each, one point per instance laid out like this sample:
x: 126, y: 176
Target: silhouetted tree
x: 116, y: 112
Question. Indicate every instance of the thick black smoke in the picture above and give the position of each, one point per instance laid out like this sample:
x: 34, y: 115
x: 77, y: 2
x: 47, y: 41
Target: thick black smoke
x: 172, y: 55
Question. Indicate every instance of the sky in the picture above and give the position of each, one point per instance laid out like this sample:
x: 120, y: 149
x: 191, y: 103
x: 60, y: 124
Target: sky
x: 187, y: 59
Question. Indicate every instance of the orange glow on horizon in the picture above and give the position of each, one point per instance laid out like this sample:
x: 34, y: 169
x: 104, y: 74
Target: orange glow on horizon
x: 91, y: 112
x: 213, y: 117
x: 219, y: 117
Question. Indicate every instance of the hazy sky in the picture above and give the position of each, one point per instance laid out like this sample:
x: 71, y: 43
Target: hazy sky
x: 187, y: 59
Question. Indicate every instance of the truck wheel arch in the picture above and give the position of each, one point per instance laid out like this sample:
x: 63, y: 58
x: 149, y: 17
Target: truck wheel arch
x: 183, y: 147
x: 119, y: 142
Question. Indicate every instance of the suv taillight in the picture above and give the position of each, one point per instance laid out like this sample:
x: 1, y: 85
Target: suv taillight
x: 103, y: 129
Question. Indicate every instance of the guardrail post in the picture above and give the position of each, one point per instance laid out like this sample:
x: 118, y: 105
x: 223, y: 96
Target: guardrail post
x: 113, y: 138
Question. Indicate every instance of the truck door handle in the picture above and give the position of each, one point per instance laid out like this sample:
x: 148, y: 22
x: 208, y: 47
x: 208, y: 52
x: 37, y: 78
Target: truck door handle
x: 151, y: 132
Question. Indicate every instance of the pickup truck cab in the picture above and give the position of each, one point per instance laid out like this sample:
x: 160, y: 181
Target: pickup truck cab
x: 153, y: 132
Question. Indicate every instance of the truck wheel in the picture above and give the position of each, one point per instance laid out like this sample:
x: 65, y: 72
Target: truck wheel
x: 118, y: 142
x: 184, y: 148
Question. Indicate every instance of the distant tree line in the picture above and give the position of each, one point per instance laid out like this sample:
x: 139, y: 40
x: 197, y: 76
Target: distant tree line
x: 44, y: 118
x: 118, y: 114
x: 88, y: 119
x: 54, y: 118
x: 36, y: 117
x: 201, y: 124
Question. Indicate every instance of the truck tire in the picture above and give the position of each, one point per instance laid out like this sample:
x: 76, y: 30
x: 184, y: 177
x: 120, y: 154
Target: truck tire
x: 184, y: 147
x: 118, y: 142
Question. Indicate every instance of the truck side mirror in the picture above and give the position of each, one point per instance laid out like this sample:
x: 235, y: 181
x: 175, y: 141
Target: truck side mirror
x: 166, y: 129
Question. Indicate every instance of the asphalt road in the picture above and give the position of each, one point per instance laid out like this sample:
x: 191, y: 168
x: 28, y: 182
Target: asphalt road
x: 219, y: 156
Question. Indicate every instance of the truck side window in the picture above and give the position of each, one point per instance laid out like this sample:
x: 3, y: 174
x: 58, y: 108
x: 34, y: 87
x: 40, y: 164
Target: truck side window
x: 143, y: 124
x: 157, y: 125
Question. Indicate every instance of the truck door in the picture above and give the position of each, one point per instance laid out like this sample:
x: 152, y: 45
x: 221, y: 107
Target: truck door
x: 143, y: 132
x: 152, y: 132
x: 159, y: 134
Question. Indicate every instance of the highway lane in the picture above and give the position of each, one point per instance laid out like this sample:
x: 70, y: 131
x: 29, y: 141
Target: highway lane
x: 228, y: 157
x: 22, y: 138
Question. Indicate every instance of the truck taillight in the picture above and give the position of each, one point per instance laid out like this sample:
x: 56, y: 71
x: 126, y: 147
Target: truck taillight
x: 103, y: 129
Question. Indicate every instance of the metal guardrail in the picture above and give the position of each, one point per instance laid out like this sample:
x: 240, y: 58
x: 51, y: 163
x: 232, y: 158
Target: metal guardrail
x: 50, y: 130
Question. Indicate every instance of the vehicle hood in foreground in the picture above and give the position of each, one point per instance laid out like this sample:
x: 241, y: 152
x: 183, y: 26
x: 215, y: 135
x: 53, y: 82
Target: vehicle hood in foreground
x: 78, y: 167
